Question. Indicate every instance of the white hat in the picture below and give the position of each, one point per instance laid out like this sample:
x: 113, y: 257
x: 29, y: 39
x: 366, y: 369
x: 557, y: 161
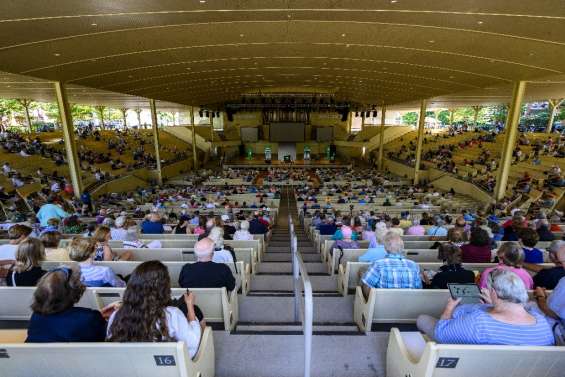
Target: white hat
x: 225, y: 217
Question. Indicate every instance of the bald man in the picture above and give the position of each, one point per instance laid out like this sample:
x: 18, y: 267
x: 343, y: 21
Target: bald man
x: 549, y: 277
x: 204, y: 273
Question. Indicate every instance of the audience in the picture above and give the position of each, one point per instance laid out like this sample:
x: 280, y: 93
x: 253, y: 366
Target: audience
x: 510, y: 257
x: 83, y: 250
x: 529, y: 238
x: 478, y: 250
x: 205, y: 273
x: 55, y: 317
x: 152, y: 225
x: 394, y: 270
x: 503, y: 319
x: 451, y: 271
x: 27, y: 270
x: 548, y: 277
x: 243, y: 233
x: 145, y: 313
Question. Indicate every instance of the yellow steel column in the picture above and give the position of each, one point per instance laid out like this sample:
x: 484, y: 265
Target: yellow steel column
x: 69, y: 138
x: 194, y: 155
x: 510, y: 134
x: 156, y: 140
x: 421, y: 124
x: 553, y: 107
x: 382, y: 139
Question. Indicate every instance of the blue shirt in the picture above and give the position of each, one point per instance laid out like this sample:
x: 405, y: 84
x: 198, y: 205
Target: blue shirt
x: 50, y: 211
x: 373, y: 254
x: 533, y: 255
x: 437, y: 231
x: 472, y: 324
x: 72, y: 325
x: 393, y: 271
x: 150, y: 227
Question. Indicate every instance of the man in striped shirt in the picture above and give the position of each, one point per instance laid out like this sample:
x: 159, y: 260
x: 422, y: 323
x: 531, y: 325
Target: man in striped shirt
x: 394, y: 270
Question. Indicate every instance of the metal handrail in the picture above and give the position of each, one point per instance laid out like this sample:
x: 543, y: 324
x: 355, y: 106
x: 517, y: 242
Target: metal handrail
x: 299, y: 272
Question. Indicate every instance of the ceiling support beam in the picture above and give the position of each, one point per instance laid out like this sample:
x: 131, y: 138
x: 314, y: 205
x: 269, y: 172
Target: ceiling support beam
x: 553, y: 107
x: 510, y: 134
x: 382, y: 139
x: 194, y: 155
x: 156, y: 140
x: 69, y: 138
x: 477, y: 109
x: 421, y: 125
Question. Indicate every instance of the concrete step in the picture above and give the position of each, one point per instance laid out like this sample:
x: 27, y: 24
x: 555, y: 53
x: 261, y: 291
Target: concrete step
x: 293, y: 328
x: 286, y: 249
x: 266, y: 267
x: 328, y: 310
x: 284, y: 283
x: 286, y: 257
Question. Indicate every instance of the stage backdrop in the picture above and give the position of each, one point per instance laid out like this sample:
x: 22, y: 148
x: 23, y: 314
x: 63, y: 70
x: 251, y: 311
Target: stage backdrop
x: 287, y: 149
x: 286, y: 132
x: 249, y: 134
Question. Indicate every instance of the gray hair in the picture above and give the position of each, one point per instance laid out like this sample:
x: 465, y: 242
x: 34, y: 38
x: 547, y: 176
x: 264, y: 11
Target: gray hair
x: 217, y: 235
x: 244, y: 225
x: 508, y: 286
x: 204, y: 248
x: 393, y: 243
x: 555, y: 246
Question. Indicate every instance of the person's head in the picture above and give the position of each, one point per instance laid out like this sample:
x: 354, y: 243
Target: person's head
x: 50, y: 239
x: 81, y: 249
x: 102, y: 234
x: 511, y: 254
x: 244, y: 225
x: 450, y: 253
x: 120, y: 221
x: 217, y: 235
x: 204, y: 249
x: 395, y: 221
x: 479, y: 237
x: 210, y: 223
x: 460, y: 222
x: 393, y: 243
x: 438, y: 221
x: 30, y: 254
x: 155, y: 217
x: 142, y: 316
x: 202, y: 221
x: 58, y: 290
x: 507, y: 287
x: 528, y: 237
x: 556, y: 252
x: 456, y: 235
x: 517, y: 222
x: 17, y: 233
x: 346, y: 232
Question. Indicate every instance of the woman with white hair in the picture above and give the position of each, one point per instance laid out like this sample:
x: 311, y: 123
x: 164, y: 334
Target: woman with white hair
x: 243, y: 233
x: 221, y: 255
x: 503, y: 319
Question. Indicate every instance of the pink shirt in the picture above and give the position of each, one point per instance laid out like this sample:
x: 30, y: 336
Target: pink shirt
x: 522, y: 274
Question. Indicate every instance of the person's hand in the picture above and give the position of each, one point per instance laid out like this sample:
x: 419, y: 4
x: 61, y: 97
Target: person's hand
x: 189, y: 299
x: 109, y: 309
x: 485, y: 296
x: 452, y: 304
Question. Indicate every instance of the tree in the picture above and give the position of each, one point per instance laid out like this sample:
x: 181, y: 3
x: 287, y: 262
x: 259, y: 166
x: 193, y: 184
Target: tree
x: 82, y: 112
x: 410, y: 118
x: 10, y: 108
x: 100, y: 111
x: 443, y: 116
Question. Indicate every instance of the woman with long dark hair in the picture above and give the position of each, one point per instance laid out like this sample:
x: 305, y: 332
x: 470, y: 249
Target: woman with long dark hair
x: 145, y: 314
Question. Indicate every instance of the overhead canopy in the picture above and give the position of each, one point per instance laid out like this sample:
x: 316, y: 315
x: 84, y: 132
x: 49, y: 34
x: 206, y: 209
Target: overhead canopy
x: 208, y: 51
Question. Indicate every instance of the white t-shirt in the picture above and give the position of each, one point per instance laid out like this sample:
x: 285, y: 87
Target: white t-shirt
x: 179, y: 329
x: 242, y: 235
x: 118, y: 234
x: 8, y: 252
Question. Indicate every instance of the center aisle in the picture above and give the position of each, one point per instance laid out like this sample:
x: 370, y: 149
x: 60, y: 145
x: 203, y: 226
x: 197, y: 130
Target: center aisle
x: 267, y: 342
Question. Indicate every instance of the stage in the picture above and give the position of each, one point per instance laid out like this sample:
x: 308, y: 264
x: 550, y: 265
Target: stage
x: 257, y: 163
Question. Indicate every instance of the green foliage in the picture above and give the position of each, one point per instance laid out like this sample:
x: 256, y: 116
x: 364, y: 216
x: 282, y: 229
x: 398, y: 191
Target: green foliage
x: 410, y: 118
x: 443, y: 116
x: 82, y: 112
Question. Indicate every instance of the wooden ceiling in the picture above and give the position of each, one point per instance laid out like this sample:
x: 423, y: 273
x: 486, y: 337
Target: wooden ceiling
x: 195, y: 52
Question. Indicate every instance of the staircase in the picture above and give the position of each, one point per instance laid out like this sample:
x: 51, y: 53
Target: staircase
x: 268, y: 342
x: 185, y: 134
